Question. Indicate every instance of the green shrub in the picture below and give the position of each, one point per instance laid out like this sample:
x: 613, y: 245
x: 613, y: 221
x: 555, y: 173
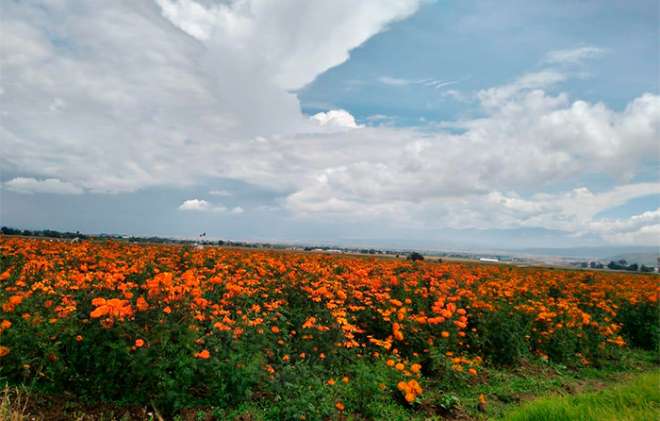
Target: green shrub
x: 641, y: 324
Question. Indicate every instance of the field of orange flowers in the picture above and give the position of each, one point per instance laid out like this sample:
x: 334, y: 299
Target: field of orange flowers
x: 180, y: 326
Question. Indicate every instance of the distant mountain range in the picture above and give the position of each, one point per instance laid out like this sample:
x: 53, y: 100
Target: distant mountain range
x: 646, y: 255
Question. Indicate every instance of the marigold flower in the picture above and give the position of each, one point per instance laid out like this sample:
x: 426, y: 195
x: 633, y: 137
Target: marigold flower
x: 142, y: 304
x: 203, y: 355
x: 340, y: 406
x: 139, y: 343
x: 4, y: 351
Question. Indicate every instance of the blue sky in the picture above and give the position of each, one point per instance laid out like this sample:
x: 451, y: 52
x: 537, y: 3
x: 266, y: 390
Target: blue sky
x: 479, y: 44
x: 433, y: 124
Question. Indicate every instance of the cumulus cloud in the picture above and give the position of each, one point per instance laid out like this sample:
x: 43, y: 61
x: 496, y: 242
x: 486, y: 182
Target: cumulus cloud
x: 195, y: 205
x: 300, y: 40
x: 340, y: 119
x: 29, y: 185
x: 573, y: 55
x: 637, y: 229
x: 531, y: 140
x: 199, y: 205
x: 120, y: 96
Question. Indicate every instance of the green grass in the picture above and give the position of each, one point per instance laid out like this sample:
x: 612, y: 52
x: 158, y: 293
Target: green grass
x: 637, y: 399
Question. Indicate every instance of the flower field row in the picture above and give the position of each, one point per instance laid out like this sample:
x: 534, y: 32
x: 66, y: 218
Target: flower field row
x: 184, y: 326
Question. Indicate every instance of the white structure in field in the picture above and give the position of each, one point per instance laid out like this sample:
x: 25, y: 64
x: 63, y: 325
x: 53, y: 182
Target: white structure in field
x: 488, y: 259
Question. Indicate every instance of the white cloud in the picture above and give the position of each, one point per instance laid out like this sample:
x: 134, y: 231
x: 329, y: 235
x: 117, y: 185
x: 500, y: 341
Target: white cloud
x: 340, y: 119
x: 531, y: 140
x: 573, y: 55
x: 199, y: 205
x: 637, y: 229
x: 394, y: 81
x: 496, y: 97
x: 433, y: 83
x: 195, y: 205
x: 128, y: 99
x: 299, y: 39
x: 28, y: 185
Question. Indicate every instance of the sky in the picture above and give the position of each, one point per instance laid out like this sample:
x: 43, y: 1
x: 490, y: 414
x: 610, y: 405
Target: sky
x: 394, y: 123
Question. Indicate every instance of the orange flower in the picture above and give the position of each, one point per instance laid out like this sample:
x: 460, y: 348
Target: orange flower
x: 340, y: 406
x: 139, y: 343
x: 410, y: 390
x: 345, y: 379
x: 275, y: 330
x: 396, y: 331
x: 79, y: 338
x: 4, y: 351
x: 142, y: 304
x: 203, y: 355
x: 6, y: 324
x: 390, y: 363
x: 415, y: 368
x: 114, y: 308
x: 331, y: 382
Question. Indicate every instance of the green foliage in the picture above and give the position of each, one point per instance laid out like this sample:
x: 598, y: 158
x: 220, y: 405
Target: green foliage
x: 299, y: 392
x: 449, y: 402
x: 502, y: 336
x: 641, y: 324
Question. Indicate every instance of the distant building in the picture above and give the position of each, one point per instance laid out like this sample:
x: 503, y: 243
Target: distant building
x: 488, y: 259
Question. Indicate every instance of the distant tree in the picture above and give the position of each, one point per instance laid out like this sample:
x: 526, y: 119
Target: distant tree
x: 615, y: 266
x: 645, y: 268
x: 414, y: 256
